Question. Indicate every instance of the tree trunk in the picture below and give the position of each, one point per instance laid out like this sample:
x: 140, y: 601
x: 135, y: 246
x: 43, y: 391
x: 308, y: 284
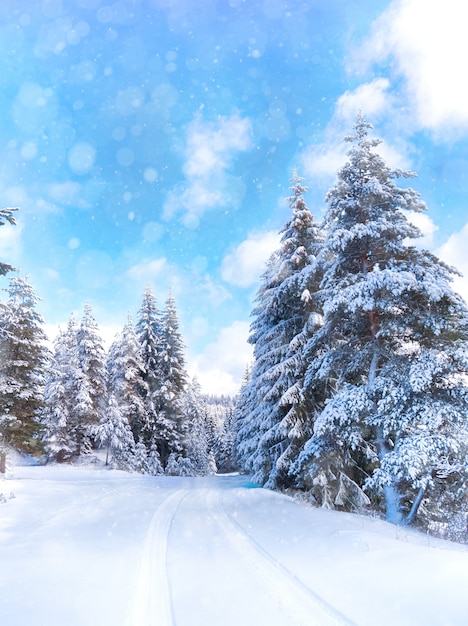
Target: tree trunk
x: 393, y: 513
x: 414, y: 508
x: 2, y: 462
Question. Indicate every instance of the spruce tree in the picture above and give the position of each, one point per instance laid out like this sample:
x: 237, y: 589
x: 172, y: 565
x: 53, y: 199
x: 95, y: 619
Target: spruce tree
x: 224, y: 447
x: 125, y: 372
x: 284, y: 309
x: 170, y: 397
x: 394, y: 339
x: 140, y: 459
x: 197, y: 436
x: 24, y: 360
x: 57, y: 416
x: 164, y: 377
x: 148, y: 330
x: 244, y: 442
x: 115, y: 434
x: 89, y: 383
x: 178, y: 465
x: 153, y: 464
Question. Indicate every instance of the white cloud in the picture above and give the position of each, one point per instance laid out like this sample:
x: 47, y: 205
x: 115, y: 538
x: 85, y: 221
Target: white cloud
x: 428, y: 45
x: 37, y: 199
x: 209, y: 291
x: 371, y: 98
x: 193, y: 200
x: 427, y: 227
x: 148, y: 270
x: 52, y: 274
x: 221, y: 366
x: 68, y: 193
x: 210, y: 145
x: 453, y: 252
x: 209, y: 152
x: 321, y: 161
x: 244, y: 265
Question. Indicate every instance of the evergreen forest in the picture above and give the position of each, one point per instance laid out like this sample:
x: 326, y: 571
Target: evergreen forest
x: 357, y: 395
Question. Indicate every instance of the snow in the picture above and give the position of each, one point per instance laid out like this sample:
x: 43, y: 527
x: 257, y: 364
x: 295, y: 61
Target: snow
x: 86, y: 545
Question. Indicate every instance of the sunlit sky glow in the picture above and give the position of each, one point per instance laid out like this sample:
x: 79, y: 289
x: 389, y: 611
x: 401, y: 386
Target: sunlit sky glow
x: 152, y: 142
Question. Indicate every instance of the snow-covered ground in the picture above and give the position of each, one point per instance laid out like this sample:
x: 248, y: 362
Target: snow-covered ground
x: 84, y: 546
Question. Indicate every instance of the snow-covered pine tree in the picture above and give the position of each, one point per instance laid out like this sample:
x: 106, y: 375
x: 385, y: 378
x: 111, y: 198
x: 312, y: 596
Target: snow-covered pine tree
x: 161, y: 350
x: 140, y: 459
x: 285, y: 316
x: 115, y: 434
x: 301, y: 246
x: 169, y: 399
x: 89, y: 384
x: 149, y: 333
x: 224, y: 445
x: 244, y: 438
x: 153, y: 462
x: 24, y: 360
x: 125, y: 372
x: 197, y: 436
x: 59, y: 435
x: 178, y: 465
x: 219, y: 412
x: 395, y: 338
x: 251, y: 417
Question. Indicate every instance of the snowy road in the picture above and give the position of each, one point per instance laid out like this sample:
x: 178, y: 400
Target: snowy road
x: 84, y: 547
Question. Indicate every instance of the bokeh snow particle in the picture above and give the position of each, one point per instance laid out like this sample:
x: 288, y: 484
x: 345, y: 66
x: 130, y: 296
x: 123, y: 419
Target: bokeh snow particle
x: 125, y: 157
x: 81, y: 157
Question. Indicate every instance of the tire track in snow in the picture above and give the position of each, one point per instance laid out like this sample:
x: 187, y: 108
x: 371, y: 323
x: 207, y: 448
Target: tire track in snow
x: 152, y: 603
x: 301, y: 604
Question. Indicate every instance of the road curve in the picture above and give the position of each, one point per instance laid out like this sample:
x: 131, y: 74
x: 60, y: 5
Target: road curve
x: 200, y: 566
x: 151, y: 604
x: 301, y: 604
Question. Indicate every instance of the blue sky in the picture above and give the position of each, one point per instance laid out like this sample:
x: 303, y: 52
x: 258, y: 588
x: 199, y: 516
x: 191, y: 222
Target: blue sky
x: 152, y: 142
